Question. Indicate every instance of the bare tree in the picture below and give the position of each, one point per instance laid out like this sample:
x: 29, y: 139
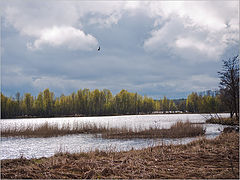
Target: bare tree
x: 229, y: 84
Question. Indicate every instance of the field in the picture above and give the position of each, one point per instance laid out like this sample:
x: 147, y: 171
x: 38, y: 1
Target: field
x: 217, y: 158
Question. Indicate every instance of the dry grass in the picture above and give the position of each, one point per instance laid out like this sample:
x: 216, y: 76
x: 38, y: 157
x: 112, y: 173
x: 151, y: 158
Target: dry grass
x: 201, y: 159
x: 51, y: 130
x: 178, y: 130
x: 224, y: 121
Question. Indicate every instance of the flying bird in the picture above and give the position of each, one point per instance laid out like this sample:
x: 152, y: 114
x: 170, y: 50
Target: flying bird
x: 99, y: 48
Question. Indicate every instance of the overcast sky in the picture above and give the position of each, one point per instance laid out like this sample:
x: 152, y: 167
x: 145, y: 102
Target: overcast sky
x: 162, y: 48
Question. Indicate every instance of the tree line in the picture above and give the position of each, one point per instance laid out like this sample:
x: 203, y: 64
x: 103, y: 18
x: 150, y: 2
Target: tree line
x: 202, y: 102
x: 84, y: 102
x: 102, y: 102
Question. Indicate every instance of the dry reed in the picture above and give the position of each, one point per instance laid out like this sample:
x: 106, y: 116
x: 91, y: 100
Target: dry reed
x: 51, y: 130
x: 178, y: 130
x: 224, y: 121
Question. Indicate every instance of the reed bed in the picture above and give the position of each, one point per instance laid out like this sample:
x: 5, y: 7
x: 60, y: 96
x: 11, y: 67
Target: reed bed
x: 200, y: 159
x: 178, y: 130
x: 52, y: 130
x: 225, y: 121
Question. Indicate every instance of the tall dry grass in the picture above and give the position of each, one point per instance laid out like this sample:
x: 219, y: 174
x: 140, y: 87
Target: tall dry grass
x: 178, y: 130
x: 51, y: 130
x: 225, y: 121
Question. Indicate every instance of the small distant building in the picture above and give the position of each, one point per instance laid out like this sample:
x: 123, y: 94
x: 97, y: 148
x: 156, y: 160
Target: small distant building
x: 167, y: 112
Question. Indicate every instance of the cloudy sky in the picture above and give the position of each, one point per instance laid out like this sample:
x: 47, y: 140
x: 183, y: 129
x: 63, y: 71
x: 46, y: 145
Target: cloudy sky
x: 162, y: 48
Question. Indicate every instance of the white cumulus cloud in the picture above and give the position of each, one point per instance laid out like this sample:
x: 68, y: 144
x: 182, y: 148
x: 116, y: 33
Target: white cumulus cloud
x: 213, y: 24
x: 59, y: 23
x: 70, y: 37
x: 193, y: 29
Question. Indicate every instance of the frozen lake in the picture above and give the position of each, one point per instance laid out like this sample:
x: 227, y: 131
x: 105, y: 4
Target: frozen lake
x: 46, y: 147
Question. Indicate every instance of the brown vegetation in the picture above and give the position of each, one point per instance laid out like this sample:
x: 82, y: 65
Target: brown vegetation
x: 201, y: 159
x: 178, y: 130
x: 224, y: 121
x: 51, y: 130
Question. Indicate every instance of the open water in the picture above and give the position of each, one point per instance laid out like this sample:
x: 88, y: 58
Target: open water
x: 16, y: 147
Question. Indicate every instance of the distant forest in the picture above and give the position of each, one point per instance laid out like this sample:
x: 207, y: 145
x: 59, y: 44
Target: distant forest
x: 103, y: 102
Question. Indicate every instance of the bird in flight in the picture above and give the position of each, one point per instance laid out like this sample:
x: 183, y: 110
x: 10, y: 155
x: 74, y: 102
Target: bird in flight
x: 99, y: 48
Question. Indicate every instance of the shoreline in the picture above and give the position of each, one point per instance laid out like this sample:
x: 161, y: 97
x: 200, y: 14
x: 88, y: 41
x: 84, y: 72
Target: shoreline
x: 201, y: 159
x: 73, y: 116
x: 224, y: 121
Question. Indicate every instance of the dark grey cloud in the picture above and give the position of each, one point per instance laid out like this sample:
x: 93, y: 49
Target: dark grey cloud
x: 142, y: 49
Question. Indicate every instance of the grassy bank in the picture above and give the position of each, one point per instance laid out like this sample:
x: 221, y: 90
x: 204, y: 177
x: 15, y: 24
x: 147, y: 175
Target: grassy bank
x: 201, y: 159
x: 224, y: 121
x: 177, y: 130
